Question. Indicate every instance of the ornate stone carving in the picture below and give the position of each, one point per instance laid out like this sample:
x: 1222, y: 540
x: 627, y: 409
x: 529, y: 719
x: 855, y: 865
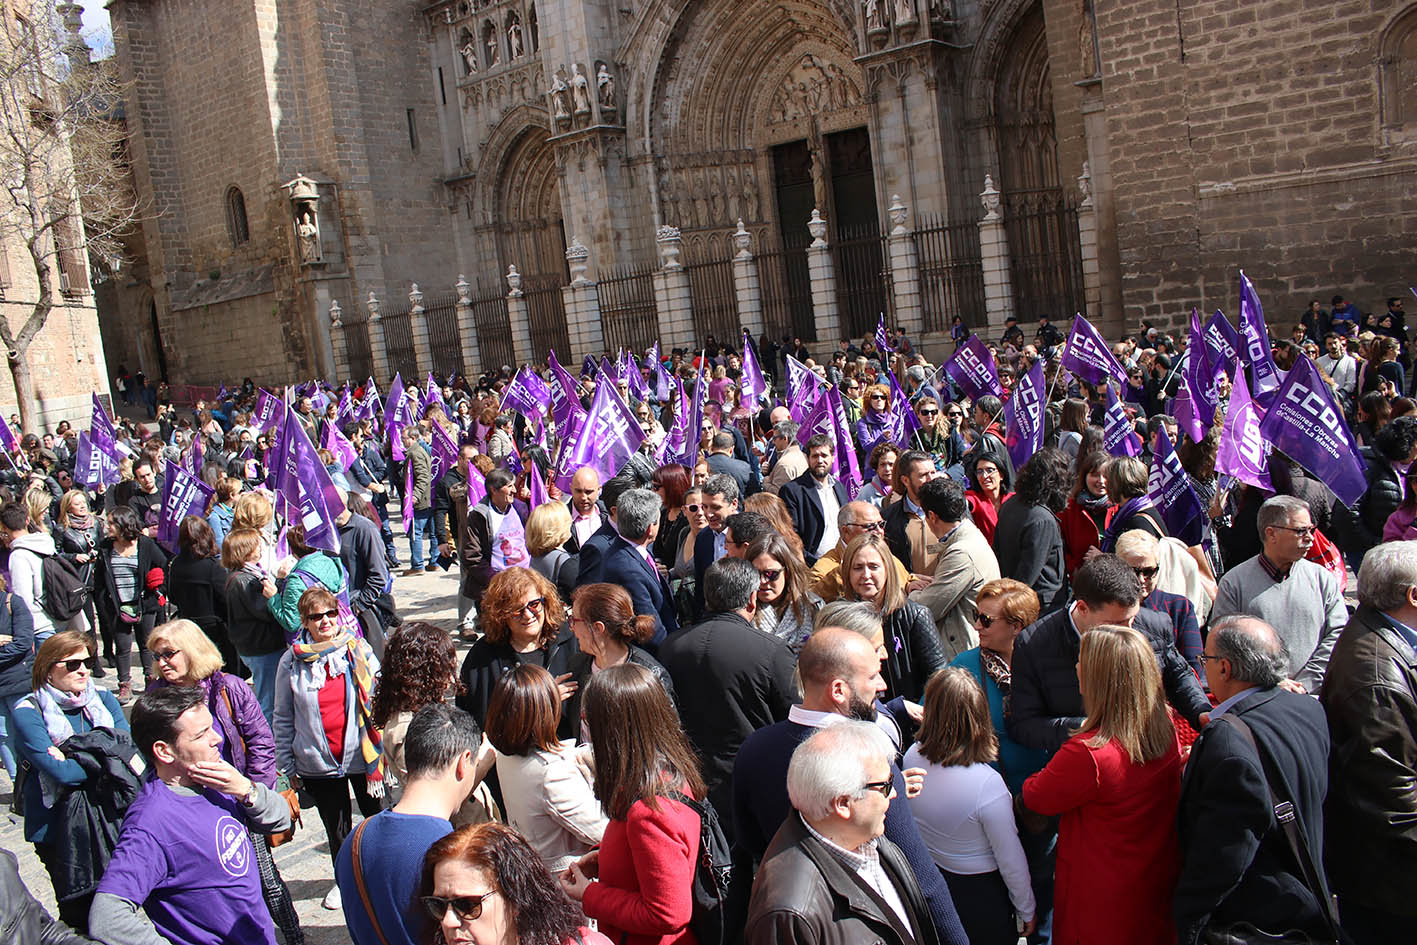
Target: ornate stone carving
x: 897, y: 214
x: 670, y: 245
x: 1085, y: 186
x: 373, y: 305
x: 818, y: 228
x: 335, y: 321
x: 304, y: 201
x: 750, y: 193
x: 578, y: 259
x: 467, y: 46
x: 811, y: 88
x: 580, y: 91
x: 560, y: 100
x: 876, y: 17
x: 415, y: 300
x: 605, y: 89
x: 990, y: 198
x: 491, y: 46
x: 515, y: 46
x: 514, y: 280
x: 904, y: 13
x: 464, y: 290
x: 742, y: 241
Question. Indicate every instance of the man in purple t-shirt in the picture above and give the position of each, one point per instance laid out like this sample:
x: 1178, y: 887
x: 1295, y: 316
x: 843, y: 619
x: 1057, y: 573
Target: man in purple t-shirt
x: 184, y: 857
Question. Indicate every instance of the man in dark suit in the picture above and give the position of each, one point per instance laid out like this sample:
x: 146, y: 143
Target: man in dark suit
x: 588, y: 512
x: 721, y: 460
x: 629, y: 563
x: 1236, y: 864
x: 813, y: 500
x: 593, y: 549
x: 721, y: 498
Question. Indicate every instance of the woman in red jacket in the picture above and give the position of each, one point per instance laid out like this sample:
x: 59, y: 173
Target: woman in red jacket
x: 1116, y: 784
x: 1088, y: 512
x: 637, y: 885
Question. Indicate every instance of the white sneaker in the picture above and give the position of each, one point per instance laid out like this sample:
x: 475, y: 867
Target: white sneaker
x: 332, y: 899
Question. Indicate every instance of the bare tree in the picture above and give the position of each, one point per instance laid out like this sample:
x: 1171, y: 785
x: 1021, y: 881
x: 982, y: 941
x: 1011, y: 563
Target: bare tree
x: 63, y: 167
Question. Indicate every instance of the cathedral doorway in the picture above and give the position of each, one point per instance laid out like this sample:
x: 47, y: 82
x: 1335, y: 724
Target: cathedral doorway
x: 532, y: 237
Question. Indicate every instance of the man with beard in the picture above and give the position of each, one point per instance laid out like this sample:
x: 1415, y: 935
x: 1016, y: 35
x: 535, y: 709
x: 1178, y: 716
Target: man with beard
x: 814, y: 499
x: 840, y: 667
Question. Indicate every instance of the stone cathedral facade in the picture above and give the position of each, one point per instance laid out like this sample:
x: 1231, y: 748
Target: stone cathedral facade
x: 463, y: 183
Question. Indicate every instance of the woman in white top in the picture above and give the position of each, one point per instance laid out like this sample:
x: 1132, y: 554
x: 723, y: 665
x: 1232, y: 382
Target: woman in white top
x: 966, y: 814
x: 546, y: 785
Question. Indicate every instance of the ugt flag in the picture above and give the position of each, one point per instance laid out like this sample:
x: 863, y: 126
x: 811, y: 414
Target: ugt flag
x: 1087, y: 356
x: 1023, y: 416
x: 1119, y: 436
x: 1244, y: 452
x: 1171, y: 492
x: 1264, y: 372
x: 972, y: 370
x: 302, y: 481
x: 1306, y: 423
x: 183, y: 494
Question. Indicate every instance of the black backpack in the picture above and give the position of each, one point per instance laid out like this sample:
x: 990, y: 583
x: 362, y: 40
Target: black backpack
x: 66, y: 588
x: 712, y: 873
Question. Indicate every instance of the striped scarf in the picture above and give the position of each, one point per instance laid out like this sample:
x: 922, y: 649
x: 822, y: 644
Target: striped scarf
x: 370, y: 738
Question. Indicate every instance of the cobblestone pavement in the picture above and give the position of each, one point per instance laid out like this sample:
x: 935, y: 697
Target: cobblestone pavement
x: 304, y: 862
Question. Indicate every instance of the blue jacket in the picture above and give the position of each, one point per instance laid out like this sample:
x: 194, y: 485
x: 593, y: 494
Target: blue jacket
x: 33, y: 741
x: 648, y: 589
x: 1016, y: 762
x: 17, y: 656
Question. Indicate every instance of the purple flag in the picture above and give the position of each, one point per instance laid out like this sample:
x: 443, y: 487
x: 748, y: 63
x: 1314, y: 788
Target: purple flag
x: 1255, y: 335
x: 305, y: 485
x: 588, y: 366
x: 1306, y: 423
x: 817, y: 419
x: 753, y: 384
x: 662, y: 387
x: 476, y: 486
x: 536, y: 483
x: 193, y: 456
x: 972, y: 370
x: 526, y: 394
x: 565, y: 399
x: 93, y: 466
x: 444, y: 454
x: 1023, y: 416
x: 1171, y: 492
x: 1200, y: 398
x: 183, y: 494
x: 803, y: 389
x: 268, y: 412
x: 883, y: 338
x: 850, y: 471
x: 434, y: 395
x: 1118, y: 434
x: 1087, y: 356
x: 102, y: 434
x: 630, y: 371
x: 1244, y: 452
x: 407, y: 507
x: 693, y: 417
x: 337, y: 444
x: 1223, y: 343
x: 903, y: 421
x: 609, y: 370
x: 8, y: 438
x: 396, y: 416
x: 345, y: 410
x: 608, y: 437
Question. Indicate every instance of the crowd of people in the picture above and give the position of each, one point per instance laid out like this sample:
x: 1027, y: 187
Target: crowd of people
x: 728, y: 691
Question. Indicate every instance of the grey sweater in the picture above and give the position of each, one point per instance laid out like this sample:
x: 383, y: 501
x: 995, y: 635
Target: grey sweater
x: 1305, y: 609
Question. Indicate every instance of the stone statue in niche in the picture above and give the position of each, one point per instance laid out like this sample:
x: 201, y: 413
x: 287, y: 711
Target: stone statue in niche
x: 875, y: 17
x: 560, y: 104
x: 716, y: 217
x: 701, y: 206
x: 468, y: 47
x: 514, y: 38
x: 490, y: 44
x: 308, y: 230
x: 605, y: 89
x: 580, y: 91
x: 731, y: 189
x: 904, y: 12
x: 1087, y: 42
x: 750, y: 193
x: 819, y: 179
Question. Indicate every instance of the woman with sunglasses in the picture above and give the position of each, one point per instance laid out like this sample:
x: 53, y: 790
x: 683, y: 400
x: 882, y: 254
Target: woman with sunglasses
x: 786, y: 605
x: 63, y: 702
x: 939, y: 431
x: 523, y: 621
x: 485, y: 885
x: 671, y: 483
x: 185, y: 656
x: 325, y: 735
x: 875, y: 423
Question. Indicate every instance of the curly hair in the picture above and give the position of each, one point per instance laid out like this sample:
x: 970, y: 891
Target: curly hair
x: 502, y: 600
x: 540, y: 910
x: 419, y: 660
x: 1045, y: 480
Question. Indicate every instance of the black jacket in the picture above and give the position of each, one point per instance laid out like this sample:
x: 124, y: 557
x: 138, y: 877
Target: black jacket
x: 1029, y: 543
x: 87, y: 817
x: 486, y: 662
x: 1370, y: 694
x: 1236, y: 864
x: 17, y: 656
x: 1383, y: 497
x: 250, y: 625
x: 22, y: 918
x: 741, y: 472
x: 197, y: 588
x: 804, y: 507
x: 913, y: 651
x: 582, y: 665
x: 150, y: 555
x: 1045, y: 703
x: 648, y: 589
x: 591, y: 556
x: 736, y: 679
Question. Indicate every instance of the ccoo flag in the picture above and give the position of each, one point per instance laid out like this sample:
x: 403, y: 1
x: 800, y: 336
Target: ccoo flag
x: 1119, y: 436
x: 305, y: 485
x: 1023, y: 416
x: 1244, y: 452
x: 1306, y: 423
x: 183, y: 494
x: 93, y: 466
x: 1170, y: 490
x: 972, y: 370
x: 1087, y: 356
x: 1255, y: 337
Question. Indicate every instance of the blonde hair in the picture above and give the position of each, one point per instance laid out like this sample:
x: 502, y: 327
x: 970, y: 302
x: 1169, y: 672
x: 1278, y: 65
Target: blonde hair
x: 203, y: 658
x: 1138, y: 542
x: 251, y: 510
x: 892, y: 594
x: 1122, y: 694
x: 547, y: 528
x: 66, y: 504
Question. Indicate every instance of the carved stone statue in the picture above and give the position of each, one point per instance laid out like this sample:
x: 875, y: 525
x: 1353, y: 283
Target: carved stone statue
x: 560, y: 104
x: 605, y: 89
x: 730, y: 187
x: 490, y: 44
x: 580, y: 90
x: 514, y: 39
x: 750, y: 194
x: 875, y: 17
x: 309, y: 235
x: 819, y: 179
x: 904, y: 12
x: 469, y: 56
x: 1087, y: 42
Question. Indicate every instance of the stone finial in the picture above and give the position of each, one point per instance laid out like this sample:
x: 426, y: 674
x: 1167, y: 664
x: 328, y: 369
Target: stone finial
x: 897, y: 214
x: 373, y: 305
x: 415, y: 300
x: 818, y: 228
x: 670, y: 246
x: 1085, y: 186
x: 990, y: 198
x: 335, y: 314
x: 464, y: 290
x: 514, y: 282
x: 578, y: 259
x: 743, y: 240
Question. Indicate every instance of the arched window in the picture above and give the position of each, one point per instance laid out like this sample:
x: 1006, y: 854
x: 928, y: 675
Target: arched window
x: 1398, y: 65
x: 236, y: 225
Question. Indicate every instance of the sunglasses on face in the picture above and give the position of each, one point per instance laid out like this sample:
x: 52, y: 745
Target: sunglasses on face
x: 768, y: 575
x: 317, y: 617
x: 877, y: 397
x: 532, y: 607
x: 869, y: 526
x: 984, y: 621
x: 954, y: 415
x: 466, y: 908
x: 929, y: 413
x: 694, y: 508
x: 1147, y: 573
x: 884, y: 788
x: 72, y: 666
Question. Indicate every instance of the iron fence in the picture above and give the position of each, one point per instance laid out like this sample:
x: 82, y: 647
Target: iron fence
x: 547, y: 310
x: 442, y: 314
x: 859, y: 261
x: 1045, y: 254
x: 951, y: 273
x: 494, y: 328
x: 398, y: 342
x: 787, y: 293
x: 627, y: 313
x: 357, y: 353
x: 715, y: 299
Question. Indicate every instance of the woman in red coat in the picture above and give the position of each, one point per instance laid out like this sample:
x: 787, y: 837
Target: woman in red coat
x: 1116, y: 784
x: 1088, y: 512
x: 637, y: 885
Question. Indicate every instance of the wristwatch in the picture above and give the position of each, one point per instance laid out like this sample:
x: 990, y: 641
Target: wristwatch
x: 250, y: 799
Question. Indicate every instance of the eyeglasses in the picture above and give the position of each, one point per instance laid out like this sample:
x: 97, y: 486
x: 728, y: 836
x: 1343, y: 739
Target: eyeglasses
x: 694, y: 508
x: 317, y: 617
x: 532, y: 607
x: 166, y: 656
x: 768, y: 575
x: 869, y: 526
x: 884, y: 788
x: 1305, y: 531
x: 72, y: 666
x: 981, y: 472
x: 878, y: 397
x: 929, y: 413
x: 467, y: 908
x: 1206, y: 657
x: 984, y: 621
x: 1147, y: 573
x: 954, y: 414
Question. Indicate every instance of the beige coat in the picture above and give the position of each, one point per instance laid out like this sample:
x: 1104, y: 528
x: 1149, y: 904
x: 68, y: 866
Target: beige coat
x: 791, y: 464
x: 550, y: 801
x: 966, y: 563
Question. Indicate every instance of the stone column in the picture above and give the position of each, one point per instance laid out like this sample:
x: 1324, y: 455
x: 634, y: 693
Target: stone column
x: 378, y: 347
x: 819, y: 269
x: 905, y: 271
x: 338, y: 342
x: 1087, y: 240
x: 582, y: 303
x: 519, y: 317
x: 467, y: 329
x: 418, y: 325
x: 994, y: 258
x: 672, y: 296
x: 747, y: 287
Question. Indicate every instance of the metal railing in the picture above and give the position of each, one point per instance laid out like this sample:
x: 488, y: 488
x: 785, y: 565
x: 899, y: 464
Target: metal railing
x: 446, y: 348
x: 357, y: 352
x: 547, y: 309
x: 860, y: 262
x: 951, y: 274
x: 787, y: 293
x: 398, y: 342
x: 1045, y: 256
x: 715, y: 299
x: 627, y: 312
x: 494, y: 328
